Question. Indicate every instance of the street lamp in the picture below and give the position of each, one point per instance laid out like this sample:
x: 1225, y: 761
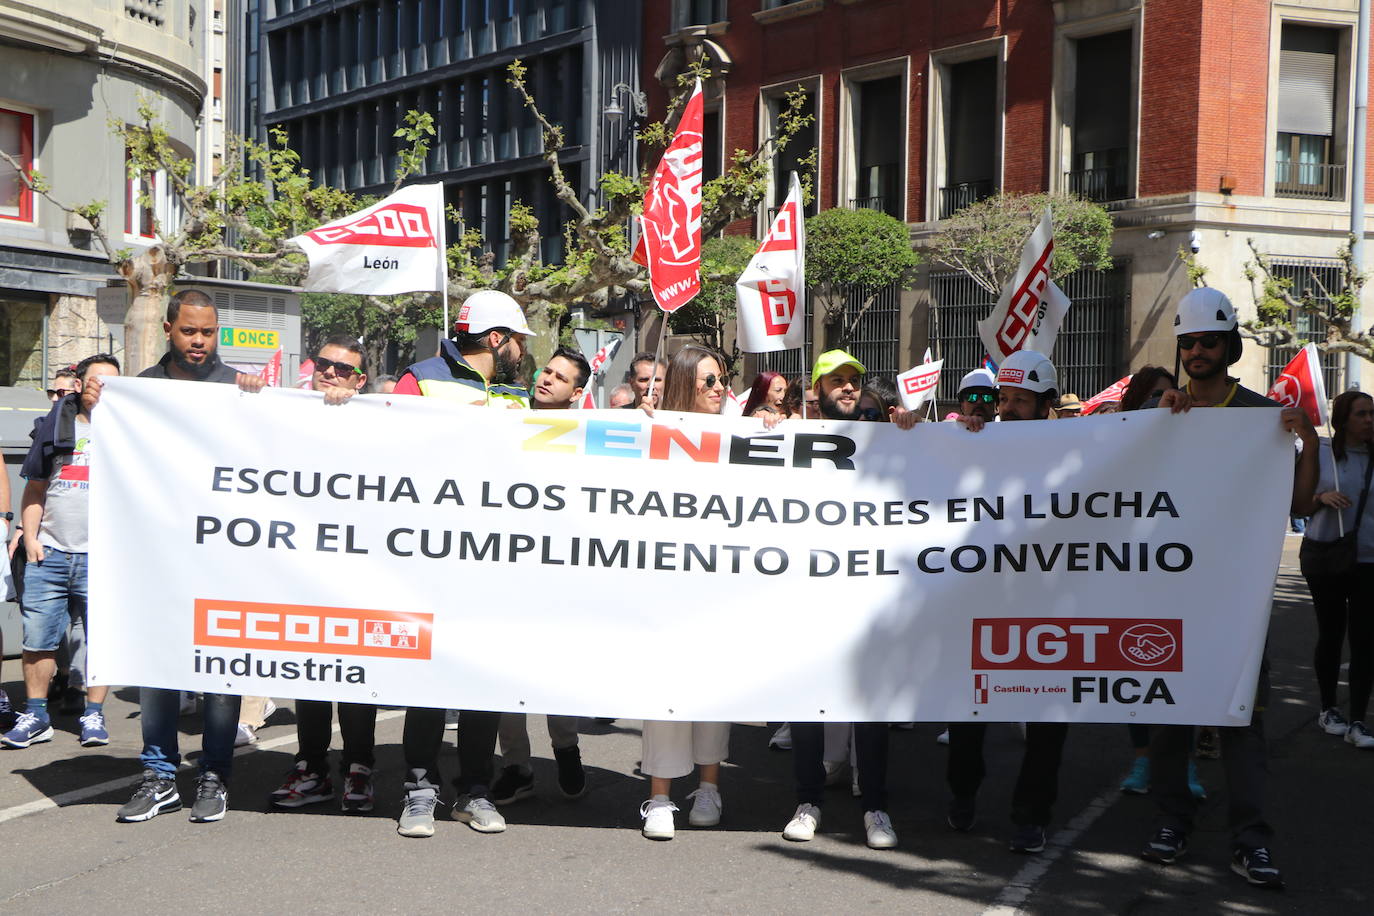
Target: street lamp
x: 613, y: 112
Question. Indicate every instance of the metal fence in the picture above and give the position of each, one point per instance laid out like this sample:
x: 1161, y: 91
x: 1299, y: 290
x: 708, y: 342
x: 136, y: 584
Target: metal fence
x: 1321, y: 277
x: 874, y: 340
x: 1087, y: 353
x: 791, y: 363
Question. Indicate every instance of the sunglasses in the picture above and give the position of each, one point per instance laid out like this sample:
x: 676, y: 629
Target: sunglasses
x: 870, y: 413
x: 323, y: 365
x: 710, y: 380
x: 1207, y: 341
x: 980, y: 398
x: 55, y: 393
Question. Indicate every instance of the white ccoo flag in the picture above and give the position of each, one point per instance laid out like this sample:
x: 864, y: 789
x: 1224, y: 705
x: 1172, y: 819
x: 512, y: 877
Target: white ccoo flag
x: 1031, y: 307
x: 917, y: 386
x: 394, y: 246
x: 768, y: 292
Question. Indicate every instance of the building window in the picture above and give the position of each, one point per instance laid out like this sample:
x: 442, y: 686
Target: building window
x: 1306, y: 163
x: 140, y: 201
x: 971, y: 117
x: 16, y: 140
x: 699, y: 12
x: 802, y: 145
x: 712, y: 144
x: 1101, y: 133
x: 1320, y: 278
x: 877, y: 148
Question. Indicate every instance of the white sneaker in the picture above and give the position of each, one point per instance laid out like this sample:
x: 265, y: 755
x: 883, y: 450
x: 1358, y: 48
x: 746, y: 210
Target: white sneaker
x: 943, y: 737
x: 803, y: 825
x: 1332, y: 722
x: 706, y: 809
x: 267, y: 710
x: 245, y: 736
x: 782, y: 738
x: 1359, y: 736
x: 658, y: 819
x: 478, y: 813
x: 879, y: 828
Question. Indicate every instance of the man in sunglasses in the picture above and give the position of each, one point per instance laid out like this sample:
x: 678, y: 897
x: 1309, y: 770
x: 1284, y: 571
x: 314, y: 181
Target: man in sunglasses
x: 339, y: 369
x: 978, y: 396
x: 1027, y: 387
x: 1209, y: 342
x: 480, y: 366
x: 64, y: 382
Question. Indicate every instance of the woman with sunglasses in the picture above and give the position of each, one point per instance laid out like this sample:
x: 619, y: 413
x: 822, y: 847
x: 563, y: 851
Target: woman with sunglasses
x: 1342, y: 600
x: 695, y: 383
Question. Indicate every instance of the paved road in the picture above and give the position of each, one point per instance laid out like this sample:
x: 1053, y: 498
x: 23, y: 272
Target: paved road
x: 64, y: 853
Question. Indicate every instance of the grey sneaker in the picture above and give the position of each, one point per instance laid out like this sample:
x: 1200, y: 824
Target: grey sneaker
x: 479, y: 813
x: 212, y: 798
x: 157, y: 794
x: 417, y: 817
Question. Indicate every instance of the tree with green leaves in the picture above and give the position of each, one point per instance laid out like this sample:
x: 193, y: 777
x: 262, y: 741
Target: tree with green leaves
x: 984, y: 239
x: 1280, y: 300
x: 851, y: 257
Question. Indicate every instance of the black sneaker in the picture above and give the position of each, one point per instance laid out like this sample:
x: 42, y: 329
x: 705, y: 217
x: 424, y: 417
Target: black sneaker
x: 572, y: 778
x: 1255, y: 866
x: 211, y: 799
x: 73, y: 701
x: 1165, y: 846
x: 512, y: 785
x: 1028, y: 839
x: 7, y: 713
x: 962, y: 813
x: 157, y: 794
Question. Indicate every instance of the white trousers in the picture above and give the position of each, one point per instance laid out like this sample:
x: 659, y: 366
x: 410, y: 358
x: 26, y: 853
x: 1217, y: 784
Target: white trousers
x: 670, y: 749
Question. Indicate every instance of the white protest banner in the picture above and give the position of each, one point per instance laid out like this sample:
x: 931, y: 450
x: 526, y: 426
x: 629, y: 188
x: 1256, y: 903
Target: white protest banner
x: 394, y: 246
x: 767, y: 293
x: 917, y: 386
x: 1031, y: 308
x: 267, y: 545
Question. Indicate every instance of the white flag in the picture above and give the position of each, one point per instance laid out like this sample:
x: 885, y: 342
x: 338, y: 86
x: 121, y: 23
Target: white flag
x: 771, y: 289
x: 1031, y: 308
x: 917, y: 386
x: 394, y: 246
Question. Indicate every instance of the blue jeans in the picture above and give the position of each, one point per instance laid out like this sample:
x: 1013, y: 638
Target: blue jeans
x: 160, y: 710
x: 54, y: 595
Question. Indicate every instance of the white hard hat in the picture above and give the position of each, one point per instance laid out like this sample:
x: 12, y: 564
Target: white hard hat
x: 1204, y: 309
x: 1029, y: 370
x: 488, y: 309
x: 978, y: 378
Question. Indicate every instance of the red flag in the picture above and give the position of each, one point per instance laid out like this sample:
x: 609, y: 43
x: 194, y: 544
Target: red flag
x: 670, y: 229
x: 1113, y: 392
x: 1301, y: 385
x: 306, y: 374
x: 588, y: 399
x: 271, y: 372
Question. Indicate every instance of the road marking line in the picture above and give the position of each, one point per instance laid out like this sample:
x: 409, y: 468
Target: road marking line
x: 1018, y: 890
x: 62, y: 799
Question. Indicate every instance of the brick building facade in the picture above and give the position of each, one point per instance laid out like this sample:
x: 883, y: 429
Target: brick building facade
x: 1195, y: 123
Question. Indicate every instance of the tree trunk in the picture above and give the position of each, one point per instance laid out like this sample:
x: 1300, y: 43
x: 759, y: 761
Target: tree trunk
x: 149, y: 275
x: 541, y: 321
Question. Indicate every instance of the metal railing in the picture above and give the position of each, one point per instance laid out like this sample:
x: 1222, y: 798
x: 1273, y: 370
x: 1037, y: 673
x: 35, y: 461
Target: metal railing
x: 1320, y: 278
x: 1088, y: 352
x: 956, y: 197
x: 1309, y: 180
x: 867, y: 203
x: 1099, y: 185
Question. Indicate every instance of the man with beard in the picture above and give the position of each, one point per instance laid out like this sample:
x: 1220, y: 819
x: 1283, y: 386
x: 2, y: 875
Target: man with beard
x: 1208, y: 343
x: 480, y: 367
x: 559, y: 385
x: 192, y: 329
x: 838, y: 380
x: 1026, y: 390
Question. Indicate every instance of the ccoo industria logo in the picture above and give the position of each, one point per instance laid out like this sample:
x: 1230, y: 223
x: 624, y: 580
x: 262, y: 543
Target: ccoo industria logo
x: 306, y: 628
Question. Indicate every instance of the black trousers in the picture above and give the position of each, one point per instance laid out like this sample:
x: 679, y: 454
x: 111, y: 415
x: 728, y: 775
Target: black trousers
x: 1037, y: 783
x: 423, y: 735
x: 1246, y: 762
x: 357, y: 724
x: 870, y: 759
x: 1344, y: 607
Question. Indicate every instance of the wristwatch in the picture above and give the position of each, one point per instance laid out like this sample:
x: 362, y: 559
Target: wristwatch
x: 7, y: 516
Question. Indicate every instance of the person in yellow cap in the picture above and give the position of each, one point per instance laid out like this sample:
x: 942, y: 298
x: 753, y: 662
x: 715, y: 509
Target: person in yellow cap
x: 838, y: 380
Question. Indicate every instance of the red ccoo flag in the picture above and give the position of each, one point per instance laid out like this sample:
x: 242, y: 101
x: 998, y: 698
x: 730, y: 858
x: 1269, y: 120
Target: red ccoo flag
x: 1301, y: 385
x: 271, y: 373
x: 670, y: 229
x: 1113, y: 392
